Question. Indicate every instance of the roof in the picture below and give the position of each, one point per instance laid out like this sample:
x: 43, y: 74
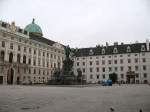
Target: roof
x: 43, y: 40
x: 109, y: 50
x: 33, y: 28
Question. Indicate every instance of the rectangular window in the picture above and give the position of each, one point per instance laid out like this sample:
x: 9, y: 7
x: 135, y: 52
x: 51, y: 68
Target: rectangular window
x: 121, y: 61
x: 137, y: 75
x: 97, y: 76
x: 90, y: 62
x: 103, y: 69
x: 103, y: 76
x: 110, y: 69
x: 136, y: 60
x: 83, y: 63
x: 145, y: 75
x: 129, y: 60
x: 91, y: 76
x: 103, y: 62
x: 91, y: 69
x: 144, y: 60
x: 121, y: 68
x: 83, y: 70
x: 116, y: 69
x: 11, y: 45
x: 109, y: 61
x: 3, y: 43
x: 144, y: 67
x: 115, y: 61
x: 78, y: 63
x: 19, y: 48
x: 122, y: 76
x: 97, y: 62
x: 136, y: 68
x: 97, y: 69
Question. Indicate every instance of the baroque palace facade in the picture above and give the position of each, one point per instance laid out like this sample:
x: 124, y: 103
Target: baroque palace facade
x: 26, y: 56
x: 131, y: 62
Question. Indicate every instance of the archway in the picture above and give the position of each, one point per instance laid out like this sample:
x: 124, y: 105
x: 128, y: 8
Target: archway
x: 10, y: 76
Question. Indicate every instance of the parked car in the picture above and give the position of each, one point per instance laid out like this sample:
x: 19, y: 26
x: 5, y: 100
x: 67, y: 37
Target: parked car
x: 107, y: 83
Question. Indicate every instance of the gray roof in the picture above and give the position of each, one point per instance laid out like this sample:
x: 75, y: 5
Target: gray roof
x: 109, y: 50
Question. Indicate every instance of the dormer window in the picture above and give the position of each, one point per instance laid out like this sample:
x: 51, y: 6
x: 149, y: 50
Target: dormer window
x: 142, y: 48
x: 103, y: 51
x: 115, y: 50
x: 128, y: 49
x: 91, y: 52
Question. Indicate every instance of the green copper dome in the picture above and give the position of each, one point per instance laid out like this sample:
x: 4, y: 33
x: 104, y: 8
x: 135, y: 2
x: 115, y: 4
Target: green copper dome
x: 34, y: 29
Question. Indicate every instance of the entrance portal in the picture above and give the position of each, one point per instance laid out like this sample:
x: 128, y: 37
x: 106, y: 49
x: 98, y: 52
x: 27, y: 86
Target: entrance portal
x: 10, y: 75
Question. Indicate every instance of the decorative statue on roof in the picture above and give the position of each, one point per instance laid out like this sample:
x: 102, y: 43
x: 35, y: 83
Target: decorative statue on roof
x: 67, y: 51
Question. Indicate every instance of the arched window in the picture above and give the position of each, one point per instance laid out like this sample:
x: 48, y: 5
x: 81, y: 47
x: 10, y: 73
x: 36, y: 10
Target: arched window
x: 142, y: 48
x: 11, y: 57
x: 115, y: 50
x: 2, y: 55
x: 24, y: 59
x: 128, y: 49
x: 18, y: 58
x: 103, y: 51
x: 29, y: 61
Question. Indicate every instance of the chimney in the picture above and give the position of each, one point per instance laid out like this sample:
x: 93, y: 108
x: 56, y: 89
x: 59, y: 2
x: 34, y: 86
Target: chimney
x: 115, y: 43
x: 106, y: 44
x: 147, y: 44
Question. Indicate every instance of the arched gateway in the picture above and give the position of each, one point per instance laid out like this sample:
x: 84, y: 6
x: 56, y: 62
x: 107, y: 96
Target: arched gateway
x: 10, y: 76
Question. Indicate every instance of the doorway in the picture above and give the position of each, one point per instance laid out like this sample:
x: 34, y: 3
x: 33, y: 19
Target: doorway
x: 10, y: 76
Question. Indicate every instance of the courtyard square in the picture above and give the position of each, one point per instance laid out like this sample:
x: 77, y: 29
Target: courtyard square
x: 124, y: 98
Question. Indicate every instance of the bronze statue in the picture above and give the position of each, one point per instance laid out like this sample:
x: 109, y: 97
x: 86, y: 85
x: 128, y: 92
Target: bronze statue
x: 67, y: 51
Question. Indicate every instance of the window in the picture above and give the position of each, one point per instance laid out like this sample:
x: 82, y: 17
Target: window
x: 136, y: 60
x: 78, y: 63
x: 47, y: 54
x: 110, y: 69
x: 91, y: 76
x: 144, y: 60
x: 3, y: 43
x: 103, y: 62
x: 116, y: 69
x: 34, y: 72
x: 91, y: 69
x: 90, y: 62
x: 83, y: 63
x: 121, y: 55
x: 103, y: 69
x: 129, y: 60
x: 11, y: 45
x: 145, y: 75
x: 29, y: 61
x: 121, y: 68
x: 43, y: 53
x: 97, y: 76
x: 2, y: 56
x: 115, y: 61
x: 34, y: 52
x: 122, y: 76
x: 129, y: 55
x: 34, y: 62
x: 115, y: 50
x: 129, y: 68
x: 144, y: 67
x: 24, y: 59
x: 137, y: 75
x: 103, y: 51
x: 29, y: 50
x: 103, y: 76
x: 24, y: 49
x: 136, y: 68
x: 142, y: 48
x: 97, y: 69
x: 18, y: 58
x: 83, y: 70
x: 19, y: 48
x: 121, y: 61
x: 97, y: 62
x: 109, y: 61
x: 128, y: 49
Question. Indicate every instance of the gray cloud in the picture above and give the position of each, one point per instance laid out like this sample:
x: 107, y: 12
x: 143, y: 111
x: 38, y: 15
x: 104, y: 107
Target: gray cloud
x: 83, y: 23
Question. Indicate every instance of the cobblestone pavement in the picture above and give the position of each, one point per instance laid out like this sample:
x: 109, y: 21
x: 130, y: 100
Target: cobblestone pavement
x: 125, y: 98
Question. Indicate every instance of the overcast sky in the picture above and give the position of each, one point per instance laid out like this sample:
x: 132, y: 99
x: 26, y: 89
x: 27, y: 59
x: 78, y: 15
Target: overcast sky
x: 83, y: 23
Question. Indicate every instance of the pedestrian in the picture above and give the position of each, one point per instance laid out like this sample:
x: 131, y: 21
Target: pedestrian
x: 140, y: 110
